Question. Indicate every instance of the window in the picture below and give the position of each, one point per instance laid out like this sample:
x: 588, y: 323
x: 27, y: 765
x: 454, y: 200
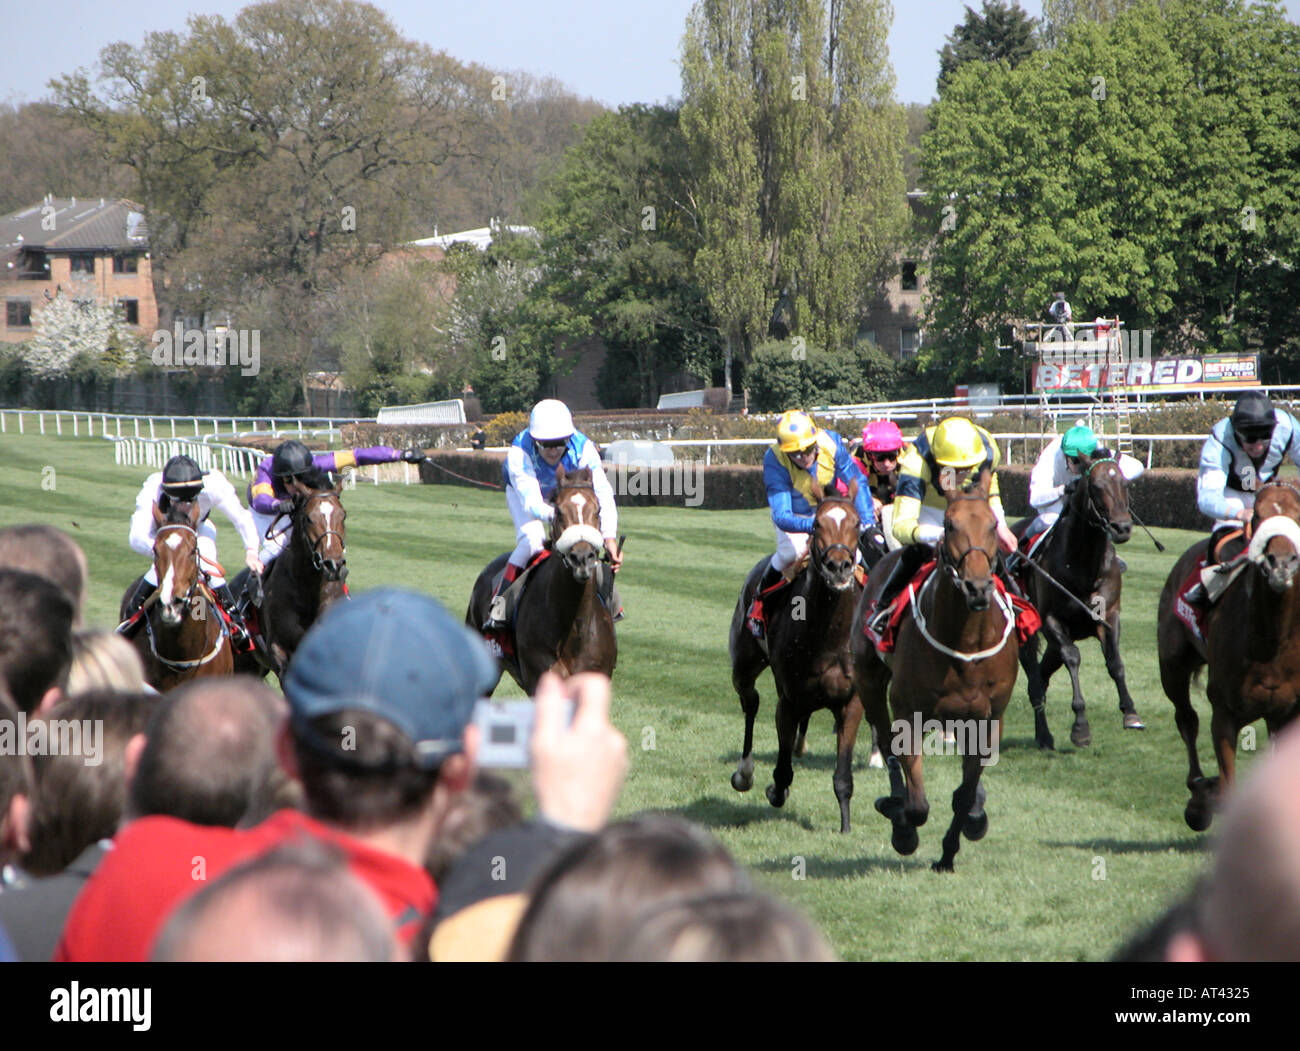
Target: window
x: 35, y: 266
x: 124, y: 263
x: 866, y: 335
x: 909, y: 276
x: 909, y: 342
x: 83, y: 262
x: 18, y: 313
x: 130, y: 309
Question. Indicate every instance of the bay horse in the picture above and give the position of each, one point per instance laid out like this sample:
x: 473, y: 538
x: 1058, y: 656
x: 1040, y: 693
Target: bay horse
x: 183, y: 636
x: 1079, y: 553
x: 1251, y: 646
x: 808, y: 651
x: 561, y: 625
x: 304, y: 580
x: 954, y: 661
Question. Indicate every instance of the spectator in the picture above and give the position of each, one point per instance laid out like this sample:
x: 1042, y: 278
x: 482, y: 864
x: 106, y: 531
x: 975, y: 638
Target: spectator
x: 35, y: 639
x: 726, y: 928
x: 1249, y: 908
x: 295, y: 904
x: 598, y: 893
x: 15, y: 787
x: 49, y: 553
x: 489, y: 805
x: 381, y: 693
x: 103, y: 660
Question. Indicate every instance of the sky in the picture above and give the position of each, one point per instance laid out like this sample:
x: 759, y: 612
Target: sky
x: 615, y: 52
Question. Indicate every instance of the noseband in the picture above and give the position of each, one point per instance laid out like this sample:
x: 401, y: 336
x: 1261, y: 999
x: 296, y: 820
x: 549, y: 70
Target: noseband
x: 820, y: 554
x: 331, y: 569
x: 563, y: 540
x: 197, y: 575
x: 1095, y: 515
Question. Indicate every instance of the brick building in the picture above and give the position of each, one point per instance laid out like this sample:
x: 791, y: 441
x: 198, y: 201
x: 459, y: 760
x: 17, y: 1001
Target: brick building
x: 62, y: 244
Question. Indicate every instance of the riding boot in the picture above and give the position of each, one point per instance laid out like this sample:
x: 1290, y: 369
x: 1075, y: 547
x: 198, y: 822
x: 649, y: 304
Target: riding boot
x: 609, y: 595
x: 238, y: 633
x: 904, y: 570
x: 497, y: 608
x: 757, y: 614
x: 1009, y: 578
x: 143, y: 590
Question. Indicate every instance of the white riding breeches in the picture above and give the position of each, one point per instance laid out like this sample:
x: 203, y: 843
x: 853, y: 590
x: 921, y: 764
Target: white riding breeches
x: 530, y: 532
x: 280, y: 538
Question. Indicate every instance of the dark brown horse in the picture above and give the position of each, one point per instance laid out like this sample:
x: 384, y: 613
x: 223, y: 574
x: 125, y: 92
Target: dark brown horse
x: 953, y: 667
x: 183, y: 636
x: 303, y: 581
x: 1251, y: 646
x: 561, y: 625
x: 808, y: 651
x: 1079, y: 554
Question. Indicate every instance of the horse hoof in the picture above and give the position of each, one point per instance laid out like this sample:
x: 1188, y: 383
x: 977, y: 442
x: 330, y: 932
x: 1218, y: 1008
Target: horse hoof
x: 1132, y: 722
x: 941, y: 866
x: 876, y: 762
x: 905, y: 840
x: 974, y: 828
x: 1047, y: 744
x: 888, y: 806
x: 775, y: 797
x: 742, y: 782
x: 1081, y: 738
x: 1198, y: 816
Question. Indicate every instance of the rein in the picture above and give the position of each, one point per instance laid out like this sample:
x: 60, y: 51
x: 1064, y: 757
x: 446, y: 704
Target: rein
x: 184, y: 665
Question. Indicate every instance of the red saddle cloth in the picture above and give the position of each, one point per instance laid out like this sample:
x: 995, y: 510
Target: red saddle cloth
x: 1027, y: 619
x: 1192, y: 616
x: 505, y: 638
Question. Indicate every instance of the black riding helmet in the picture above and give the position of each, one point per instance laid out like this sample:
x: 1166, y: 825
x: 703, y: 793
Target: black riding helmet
x: 182, y: 479
x: 1252, y: 417
x: 290, y: 459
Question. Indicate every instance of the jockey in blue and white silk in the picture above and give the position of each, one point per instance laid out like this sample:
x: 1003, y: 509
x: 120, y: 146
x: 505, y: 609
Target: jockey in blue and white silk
x: 1242, y: 454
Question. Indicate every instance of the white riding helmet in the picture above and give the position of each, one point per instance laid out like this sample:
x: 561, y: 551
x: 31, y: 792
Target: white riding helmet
x: 550, y: 421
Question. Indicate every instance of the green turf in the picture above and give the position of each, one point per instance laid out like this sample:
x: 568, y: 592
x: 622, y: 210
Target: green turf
x: 1029, y: 891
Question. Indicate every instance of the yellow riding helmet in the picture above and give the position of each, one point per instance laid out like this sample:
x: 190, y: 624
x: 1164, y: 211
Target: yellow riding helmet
x: 795, y: 430
x: 957, y: 443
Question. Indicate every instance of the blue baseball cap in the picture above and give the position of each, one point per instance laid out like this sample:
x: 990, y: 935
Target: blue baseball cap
x: 399, y: 655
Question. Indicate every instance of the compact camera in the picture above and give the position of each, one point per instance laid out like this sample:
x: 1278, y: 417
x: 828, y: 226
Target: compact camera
x: 505, y: 729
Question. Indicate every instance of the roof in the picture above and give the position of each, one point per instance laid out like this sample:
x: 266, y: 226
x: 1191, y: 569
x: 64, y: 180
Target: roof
x: 480, y: 238
x: 78, y: 226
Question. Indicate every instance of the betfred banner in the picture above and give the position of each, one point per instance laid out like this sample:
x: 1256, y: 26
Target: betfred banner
x: 1168, y: 375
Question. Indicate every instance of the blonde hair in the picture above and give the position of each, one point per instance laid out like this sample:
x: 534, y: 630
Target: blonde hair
x: 103, y: 660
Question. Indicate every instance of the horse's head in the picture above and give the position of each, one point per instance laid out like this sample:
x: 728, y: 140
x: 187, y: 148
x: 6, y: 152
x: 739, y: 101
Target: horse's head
x: 835, y: 537
x: 176, y: 557
x: 318, y: 520
x: 575, y: 529
x: 1101, y: 497
x: 968, y: 552
x: 1275, y: 540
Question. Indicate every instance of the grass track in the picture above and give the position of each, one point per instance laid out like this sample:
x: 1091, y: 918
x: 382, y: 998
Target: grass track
x: 1058, y: 821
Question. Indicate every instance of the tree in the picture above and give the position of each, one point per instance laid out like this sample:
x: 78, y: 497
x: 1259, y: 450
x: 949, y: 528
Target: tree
x: 1059, y: 15
x: 797, y: 152
x: 76, y: 335
x: 999, y: 31
x: 42, y: 152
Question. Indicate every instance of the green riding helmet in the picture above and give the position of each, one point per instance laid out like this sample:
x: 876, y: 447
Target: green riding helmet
x: 1079, y: 441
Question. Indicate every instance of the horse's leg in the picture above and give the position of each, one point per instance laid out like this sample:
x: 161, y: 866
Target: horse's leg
x: 967, y: 811
x: 1037, y: 690
x: 1046, y: 669
x: 846, y: 735
x: 1225, y: 731
x: 742, y: 679
x: 1108, y: 636
x: 1080, y: 732
x: 1176, y: 679
x: 801, y: 740
x: 787, y: 725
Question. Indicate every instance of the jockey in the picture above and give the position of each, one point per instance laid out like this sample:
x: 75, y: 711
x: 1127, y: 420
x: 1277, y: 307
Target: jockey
x: 276, y: 483
x: 548, y: 442
x: 180, y: 479
x: 1059, y: 464
x: 878, y: 455
x: 803, y: 452
x: 959, y: 449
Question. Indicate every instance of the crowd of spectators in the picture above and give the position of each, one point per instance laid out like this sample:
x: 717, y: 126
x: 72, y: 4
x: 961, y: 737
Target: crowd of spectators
x: 348, y: 819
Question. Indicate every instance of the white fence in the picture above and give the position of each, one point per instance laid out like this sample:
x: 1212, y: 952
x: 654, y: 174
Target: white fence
x: 687, y: 399
x: 430, y: 412
x: 108, y: 424
x: 230, y: 460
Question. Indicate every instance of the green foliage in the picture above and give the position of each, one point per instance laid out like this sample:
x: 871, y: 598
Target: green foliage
x: 13, y: 371
x: 276, y: 391
x: 504, y: 427
x: 1000, y: 31
x: 785, y: 375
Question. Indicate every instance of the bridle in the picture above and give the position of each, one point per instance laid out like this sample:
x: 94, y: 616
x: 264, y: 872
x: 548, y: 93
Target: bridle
x: 197, y: 572
x: 819, y: 553
x: 953, y: 567
x: 331, y: 569
x: 565, y: 538
x: 1095, y: 516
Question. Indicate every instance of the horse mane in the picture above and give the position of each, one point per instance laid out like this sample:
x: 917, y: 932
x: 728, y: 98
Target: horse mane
x: 317, y: 479
x: 178, y: 512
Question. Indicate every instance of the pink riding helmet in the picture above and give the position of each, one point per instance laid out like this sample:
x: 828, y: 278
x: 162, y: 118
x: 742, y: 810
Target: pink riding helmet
x: 882, y: 436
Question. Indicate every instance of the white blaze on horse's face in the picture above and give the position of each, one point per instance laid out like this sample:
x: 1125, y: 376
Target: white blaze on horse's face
x: 837, y: 515
x: 173, y: 541
x: 579, y: 507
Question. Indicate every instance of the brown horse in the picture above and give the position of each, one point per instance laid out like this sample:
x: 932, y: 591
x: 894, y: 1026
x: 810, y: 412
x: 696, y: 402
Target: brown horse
x: 1079, y: 554
x: 954, y: 664
x: 303, y: 581
x: 561, y: 625
x: 808, y: 651
x: 1251, y: 646
x: 183, y: 636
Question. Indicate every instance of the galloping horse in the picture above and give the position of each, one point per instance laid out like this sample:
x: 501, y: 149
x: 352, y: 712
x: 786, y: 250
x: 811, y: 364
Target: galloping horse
x: 808, y: 650
x: 954, y: 660
x: 303, y: 581
x: 1079, y: 553
x: 561, y: 624
x: 183, y: 637
x: 1251, y: 646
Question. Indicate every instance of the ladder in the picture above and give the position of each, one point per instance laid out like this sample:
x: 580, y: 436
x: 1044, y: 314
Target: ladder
x: 1117, y: 353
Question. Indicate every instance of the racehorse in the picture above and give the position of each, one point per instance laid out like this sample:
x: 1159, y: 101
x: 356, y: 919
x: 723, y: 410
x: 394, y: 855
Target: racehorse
x: 561, y: 624
x: 808, y: 651
x: 183, y: 636
x: 954, y: 661
x: 1251, y: 646
x: 303, y: 581
x: 1079, y: 554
